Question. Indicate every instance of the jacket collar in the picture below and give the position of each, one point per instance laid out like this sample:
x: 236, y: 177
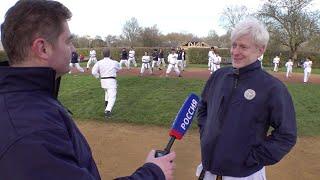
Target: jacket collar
x: 14, y: 79
x: 245, y: 70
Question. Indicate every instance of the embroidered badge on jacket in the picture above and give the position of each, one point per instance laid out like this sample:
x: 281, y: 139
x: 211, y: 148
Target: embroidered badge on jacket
x: 249, y: 94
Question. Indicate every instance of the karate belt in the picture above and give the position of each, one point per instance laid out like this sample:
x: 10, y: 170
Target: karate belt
x: 111, y: 77
x: 148, y: 64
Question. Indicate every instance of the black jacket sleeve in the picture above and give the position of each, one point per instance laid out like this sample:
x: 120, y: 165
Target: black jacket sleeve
x: 148, y: 171
x: 284, y: 134
x: 202, y: 109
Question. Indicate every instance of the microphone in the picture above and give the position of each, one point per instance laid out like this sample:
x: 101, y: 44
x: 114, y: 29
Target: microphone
x: 181, y: 123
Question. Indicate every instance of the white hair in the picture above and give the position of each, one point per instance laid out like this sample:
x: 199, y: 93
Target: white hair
x: 253, y: 27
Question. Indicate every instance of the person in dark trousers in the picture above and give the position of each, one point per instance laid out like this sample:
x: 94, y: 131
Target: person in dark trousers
x: 75, y: 62
x: 180, y: 59
x: 161, y: 59
x: 184, y: 53
x: 238, y: 106
x: 155, y: 60
x: 39, y: 140
x: 124, y: 58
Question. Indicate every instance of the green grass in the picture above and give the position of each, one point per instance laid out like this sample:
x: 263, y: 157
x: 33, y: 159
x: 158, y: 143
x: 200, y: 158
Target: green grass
x: 147, y: 100
x: 153, y: 100
x: 306, y: 99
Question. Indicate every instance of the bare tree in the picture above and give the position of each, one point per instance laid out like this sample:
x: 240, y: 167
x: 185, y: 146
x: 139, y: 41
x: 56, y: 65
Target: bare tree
x: 291, y: 22
x: 112, y: 41
x: 98, y: 42
x: 231, y: 15
x: 176, y: 39
x: 81, y: 41
x: 313, y: 45
x: 131, y: 31
x: 212, y: 39
x: 150, y: 36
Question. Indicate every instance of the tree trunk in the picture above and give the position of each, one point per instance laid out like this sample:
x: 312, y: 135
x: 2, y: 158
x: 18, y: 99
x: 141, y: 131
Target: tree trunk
x: 294, y: 55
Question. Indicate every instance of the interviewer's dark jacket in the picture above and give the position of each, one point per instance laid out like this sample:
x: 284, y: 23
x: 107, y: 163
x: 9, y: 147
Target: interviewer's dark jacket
x: 38, y: 138
x: 233, y: 128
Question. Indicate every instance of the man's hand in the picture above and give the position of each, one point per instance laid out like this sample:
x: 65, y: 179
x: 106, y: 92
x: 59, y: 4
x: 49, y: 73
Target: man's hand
x: 165, y: 163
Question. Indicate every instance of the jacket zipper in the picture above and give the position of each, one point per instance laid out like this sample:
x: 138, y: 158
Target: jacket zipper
x: 235, y: 78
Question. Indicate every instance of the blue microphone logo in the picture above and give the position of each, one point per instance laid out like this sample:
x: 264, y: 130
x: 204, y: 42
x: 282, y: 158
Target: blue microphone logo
x: 184, y: 117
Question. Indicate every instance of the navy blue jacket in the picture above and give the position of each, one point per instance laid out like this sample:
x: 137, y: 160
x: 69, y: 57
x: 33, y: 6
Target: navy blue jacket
x: 38, y: 138
x: 124, y: 55
x: 161, y: 54
x: 179, y: 52
x: 155, y: 56
x: 237, y: 108
x: 74, y: 57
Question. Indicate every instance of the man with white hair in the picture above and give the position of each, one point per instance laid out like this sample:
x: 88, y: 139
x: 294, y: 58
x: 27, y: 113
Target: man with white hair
x: 238, y: 106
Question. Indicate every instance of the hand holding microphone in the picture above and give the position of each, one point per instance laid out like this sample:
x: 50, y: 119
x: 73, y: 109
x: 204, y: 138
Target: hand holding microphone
x: 164, y: 158
x: 166, y: 163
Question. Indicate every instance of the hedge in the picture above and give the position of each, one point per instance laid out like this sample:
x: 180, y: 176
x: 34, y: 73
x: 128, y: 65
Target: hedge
x: 200, y: 55
x: 116, y: 52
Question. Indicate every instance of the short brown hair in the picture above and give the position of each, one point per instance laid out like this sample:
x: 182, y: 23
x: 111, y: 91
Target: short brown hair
x: 106, y: 52
x: 28, y: 20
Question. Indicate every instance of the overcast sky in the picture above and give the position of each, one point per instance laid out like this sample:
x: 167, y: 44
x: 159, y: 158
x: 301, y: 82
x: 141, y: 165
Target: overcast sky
x: 103, y: 17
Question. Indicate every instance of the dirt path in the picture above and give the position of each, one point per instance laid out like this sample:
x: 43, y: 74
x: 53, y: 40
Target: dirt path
x: 120, y: 148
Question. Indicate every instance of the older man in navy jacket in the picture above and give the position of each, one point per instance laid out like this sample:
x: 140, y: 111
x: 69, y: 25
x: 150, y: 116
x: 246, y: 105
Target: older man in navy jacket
x: 38, y: 138
x: 239, y: 105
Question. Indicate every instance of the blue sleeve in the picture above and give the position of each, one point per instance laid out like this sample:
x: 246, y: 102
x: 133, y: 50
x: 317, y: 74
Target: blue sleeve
x: 284, y: 134
x: 148, y: 171
x: 42, y: 155
x: 202, y: 109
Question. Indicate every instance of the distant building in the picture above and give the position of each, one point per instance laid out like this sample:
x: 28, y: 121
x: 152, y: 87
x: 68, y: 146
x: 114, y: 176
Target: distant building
x: 194, y: 44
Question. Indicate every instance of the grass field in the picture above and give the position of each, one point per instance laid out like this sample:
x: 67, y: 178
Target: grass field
x: 152, y: 100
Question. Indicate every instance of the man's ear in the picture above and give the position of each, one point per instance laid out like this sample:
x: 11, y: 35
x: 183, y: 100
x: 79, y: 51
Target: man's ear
x: 41, y: 48
x: 262, y: 49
